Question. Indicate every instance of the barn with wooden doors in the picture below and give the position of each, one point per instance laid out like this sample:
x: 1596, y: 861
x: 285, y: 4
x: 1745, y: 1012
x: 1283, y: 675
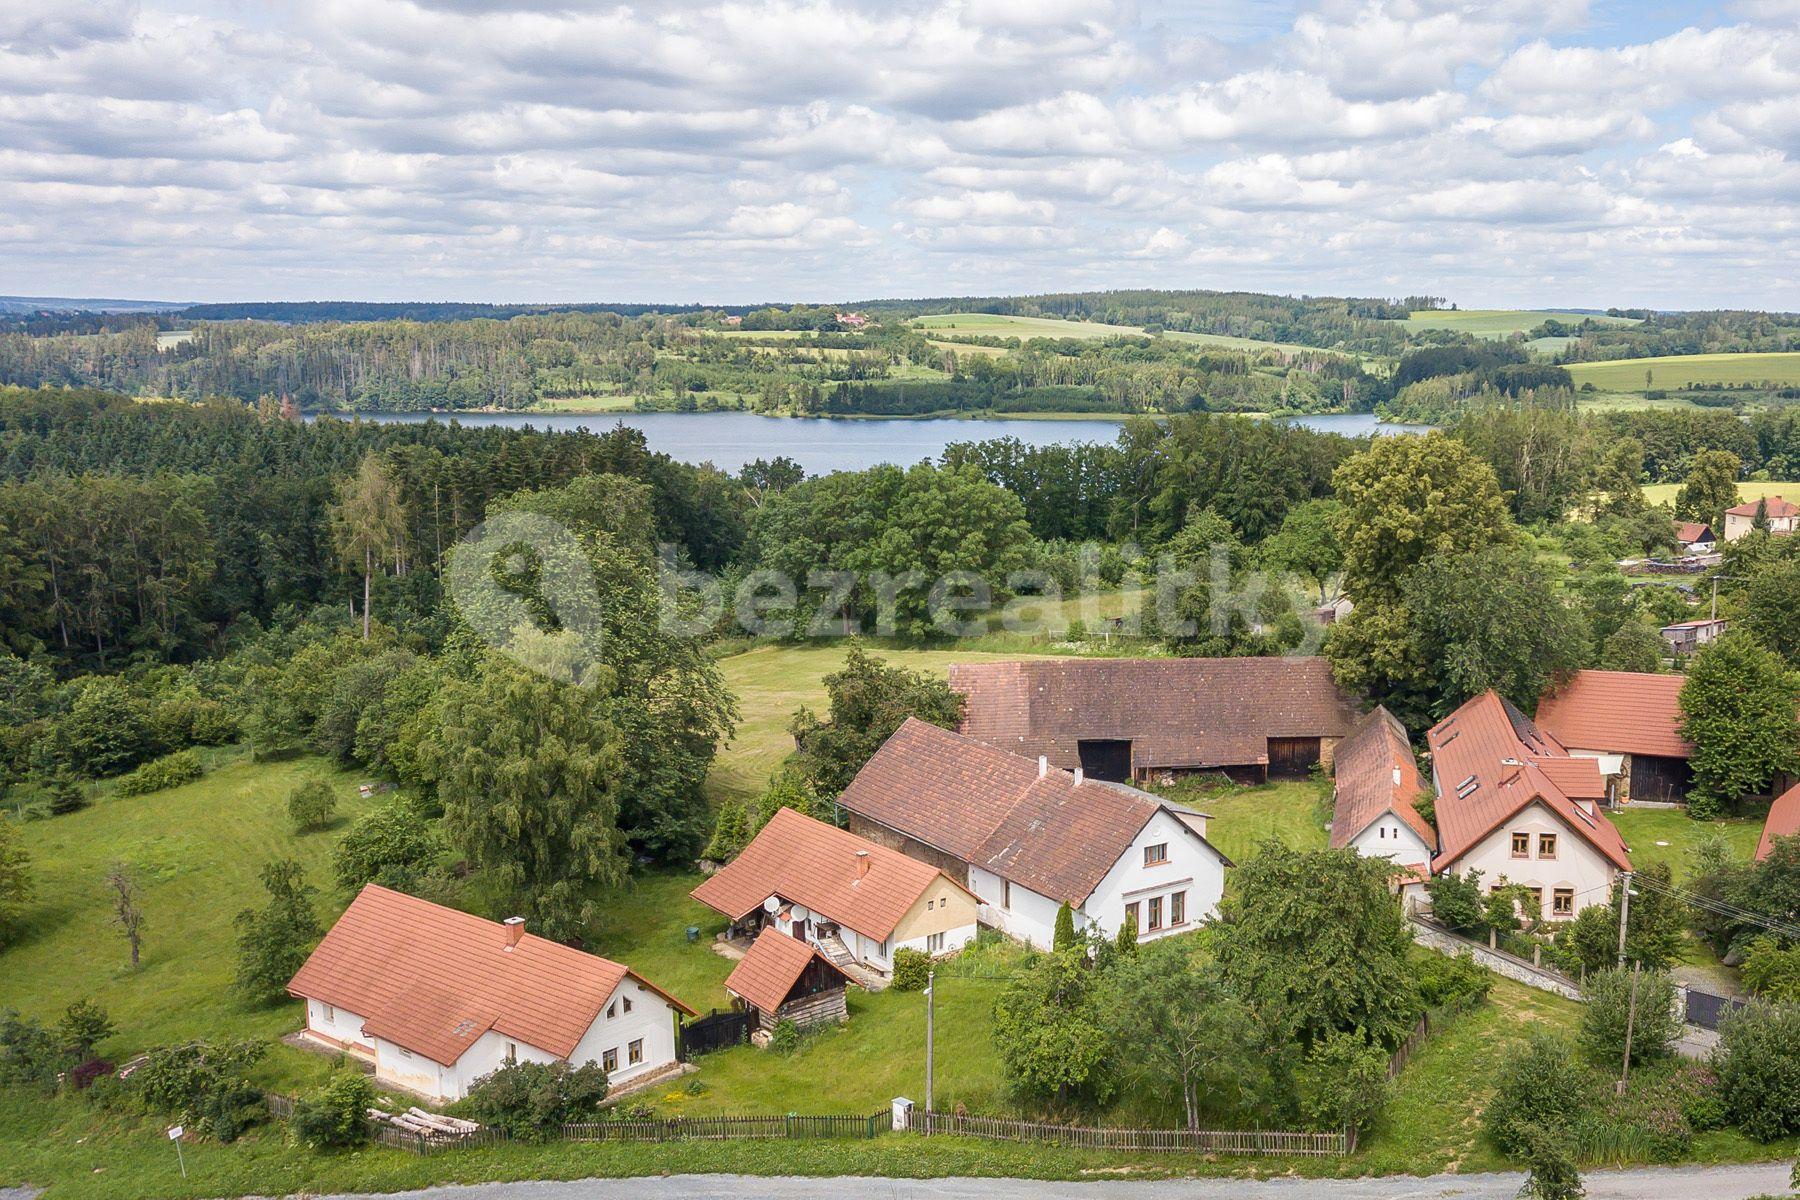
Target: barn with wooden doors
x: 782, y: 978
x: 1125, y: 720
x: 1631, y: 722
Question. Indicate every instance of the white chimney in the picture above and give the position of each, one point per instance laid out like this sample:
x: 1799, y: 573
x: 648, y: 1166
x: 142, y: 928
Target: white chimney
x: 1396, y: 776
x: 515, y: 929
x: 1077, y: 776
x: 862, y: 863
x: 1043, y: 765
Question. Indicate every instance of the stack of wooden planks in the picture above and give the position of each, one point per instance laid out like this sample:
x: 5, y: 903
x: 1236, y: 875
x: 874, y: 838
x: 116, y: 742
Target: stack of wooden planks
x: 428, y: 1124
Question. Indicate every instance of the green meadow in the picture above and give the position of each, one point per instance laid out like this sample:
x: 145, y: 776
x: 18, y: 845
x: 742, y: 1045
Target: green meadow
x: 1675, y: 372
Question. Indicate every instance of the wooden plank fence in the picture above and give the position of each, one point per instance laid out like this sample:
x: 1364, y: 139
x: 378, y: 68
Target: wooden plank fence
x: 682, y: 1129
x: 1272, y: 1142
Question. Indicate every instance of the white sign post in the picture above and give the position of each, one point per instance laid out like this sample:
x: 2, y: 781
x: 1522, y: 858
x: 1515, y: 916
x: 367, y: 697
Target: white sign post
x: 175, y: 1132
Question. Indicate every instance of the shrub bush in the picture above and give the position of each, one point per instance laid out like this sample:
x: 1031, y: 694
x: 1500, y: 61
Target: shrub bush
x: 1758, y: 1065
x: 1342, y: 1084
x: 1542, y: 1085
x: 336, y: 1116
x: 29, y: 1053
x: 910, y: 969
x: 1609, y: 1009
x: 785, y: 1037
x: 1445, y: 981
x: 169, y: 771
x: 202, y: 1085
x: 312, y: 805
x: 533, y: 1101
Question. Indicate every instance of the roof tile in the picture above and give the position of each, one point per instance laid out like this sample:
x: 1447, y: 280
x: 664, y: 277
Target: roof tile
x: 1619, y: 712
x: 770, y: 968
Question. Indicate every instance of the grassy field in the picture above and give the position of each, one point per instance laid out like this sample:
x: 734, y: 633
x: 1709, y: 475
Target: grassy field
x: 1680, y: 371
x: 1028, y: 328
x: 1666, y: 835
x: 586, y: 404
x: 1664, y: 493
x: 1502, y: 322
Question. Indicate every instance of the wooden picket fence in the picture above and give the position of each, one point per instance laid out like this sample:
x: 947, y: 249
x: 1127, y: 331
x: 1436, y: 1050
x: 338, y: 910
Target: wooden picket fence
x: 1273, y: 1142
x: 684, y: 1129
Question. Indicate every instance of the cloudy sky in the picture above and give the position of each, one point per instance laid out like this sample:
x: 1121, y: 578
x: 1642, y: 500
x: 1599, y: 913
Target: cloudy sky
x: 1515, y: 152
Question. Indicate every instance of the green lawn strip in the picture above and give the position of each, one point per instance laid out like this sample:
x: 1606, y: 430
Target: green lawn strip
x: 1244, y: 818
x: 1434, y: 1121
x: 197, y: 851
x: 1664, y: 493
x: 1643, y: 828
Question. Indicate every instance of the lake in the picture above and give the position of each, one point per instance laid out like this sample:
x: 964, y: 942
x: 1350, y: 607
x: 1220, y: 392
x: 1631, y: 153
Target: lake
x: 728, y: 440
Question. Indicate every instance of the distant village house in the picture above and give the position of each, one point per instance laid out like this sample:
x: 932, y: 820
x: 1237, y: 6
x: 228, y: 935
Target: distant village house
x: 1686, y: 637
x: 1780, y: 514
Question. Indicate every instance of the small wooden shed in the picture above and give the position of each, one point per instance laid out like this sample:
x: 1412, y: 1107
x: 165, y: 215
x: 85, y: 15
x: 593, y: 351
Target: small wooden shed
x: 782, y: 978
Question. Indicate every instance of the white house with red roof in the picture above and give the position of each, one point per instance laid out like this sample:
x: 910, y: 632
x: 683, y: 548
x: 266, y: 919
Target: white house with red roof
x: 1376, y: 785
x: 1781, y: 515
x: 435, y: 999
x: 1026, y: 838
x: 1514, y: 804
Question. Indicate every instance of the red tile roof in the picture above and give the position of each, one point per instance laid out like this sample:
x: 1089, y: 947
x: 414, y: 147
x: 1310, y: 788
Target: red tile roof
x: 811, y: 863
x: 1375, y: 773
x: 1693, y: 531
x: 1776, y: 507
x: 771, y: 967
x: 433, y: 979
x: 1618, y: 712
x: 1487, y: 758
x: 1176, y: 712
x: 1783, y: 821
x: 994, y: 810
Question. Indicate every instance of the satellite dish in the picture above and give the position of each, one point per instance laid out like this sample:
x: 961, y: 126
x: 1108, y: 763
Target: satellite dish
x: 771, y: 904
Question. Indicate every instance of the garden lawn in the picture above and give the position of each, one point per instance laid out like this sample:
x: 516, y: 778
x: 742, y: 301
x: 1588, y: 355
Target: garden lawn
x: 1644, y: 828
x: 1244, y: 818
x: 197, y: 850
x: 770, y: 682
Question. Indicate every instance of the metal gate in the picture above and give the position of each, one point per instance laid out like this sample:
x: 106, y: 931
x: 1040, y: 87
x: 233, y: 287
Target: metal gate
x: 1707, y: 1010
x: 715, y: 1031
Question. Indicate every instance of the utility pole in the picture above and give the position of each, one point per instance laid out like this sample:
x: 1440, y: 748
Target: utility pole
x: 930, y: 1014
x: 1624, y: 914
x: 1630, y: 1021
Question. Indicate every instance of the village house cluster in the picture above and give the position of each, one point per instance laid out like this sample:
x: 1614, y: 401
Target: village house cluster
x: 1038, y: 801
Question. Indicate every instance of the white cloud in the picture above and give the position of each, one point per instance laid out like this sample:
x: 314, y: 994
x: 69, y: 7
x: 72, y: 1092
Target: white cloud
x: 1509, y: 151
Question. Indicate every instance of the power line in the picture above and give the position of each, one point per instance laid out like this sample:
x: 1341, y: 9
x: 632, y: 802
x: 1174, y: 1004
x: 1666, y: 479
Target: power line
x: 1721, y: 908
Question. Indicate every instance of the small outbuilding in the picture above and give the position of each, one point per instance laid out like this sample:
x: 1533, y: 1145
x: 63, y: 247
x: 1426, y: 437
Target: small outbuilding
x: 781, y: 978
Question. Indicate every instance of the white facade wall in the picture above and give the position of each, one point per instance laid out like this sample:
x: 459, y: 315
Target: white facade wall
x: 1027, y: 916
x: 1390, y: 837
x: 338, y: 1024
x: 651, y: 1019
x: 1577, y: 864
x: 1193, y: 867
x: 954, y: 939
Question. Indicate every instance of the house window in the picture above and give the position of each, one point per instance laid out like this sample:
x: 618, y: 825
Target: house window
x: 634, y: 1052
x: 1537, y: 899
x: 930, y: 904
x: 1131, y: 914
x: 1521, y: 843
x: 405, y: 1053
x: 330, y: 1012
x: 627, y: 1003
x: 1546, y: 845
x: 1154, y: 908
x: 612, y: 1010
x: 609, y: 1061
x: 1156, y: 855
x: 1006, y: 893
x: 1562, y: 902
x: 1178, y: 908
x: 512, y: 1052
x: 934, y: 944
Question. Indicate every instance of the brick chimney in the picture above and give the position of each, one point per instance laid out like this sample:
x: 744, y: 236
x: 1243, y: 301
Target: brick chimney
x: 862, y: 863
x: 515, y: 929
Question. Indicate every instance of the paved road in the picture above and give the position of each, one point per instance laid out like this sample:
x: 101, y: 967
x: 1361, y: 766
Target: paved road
x: 1676, y: 1183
